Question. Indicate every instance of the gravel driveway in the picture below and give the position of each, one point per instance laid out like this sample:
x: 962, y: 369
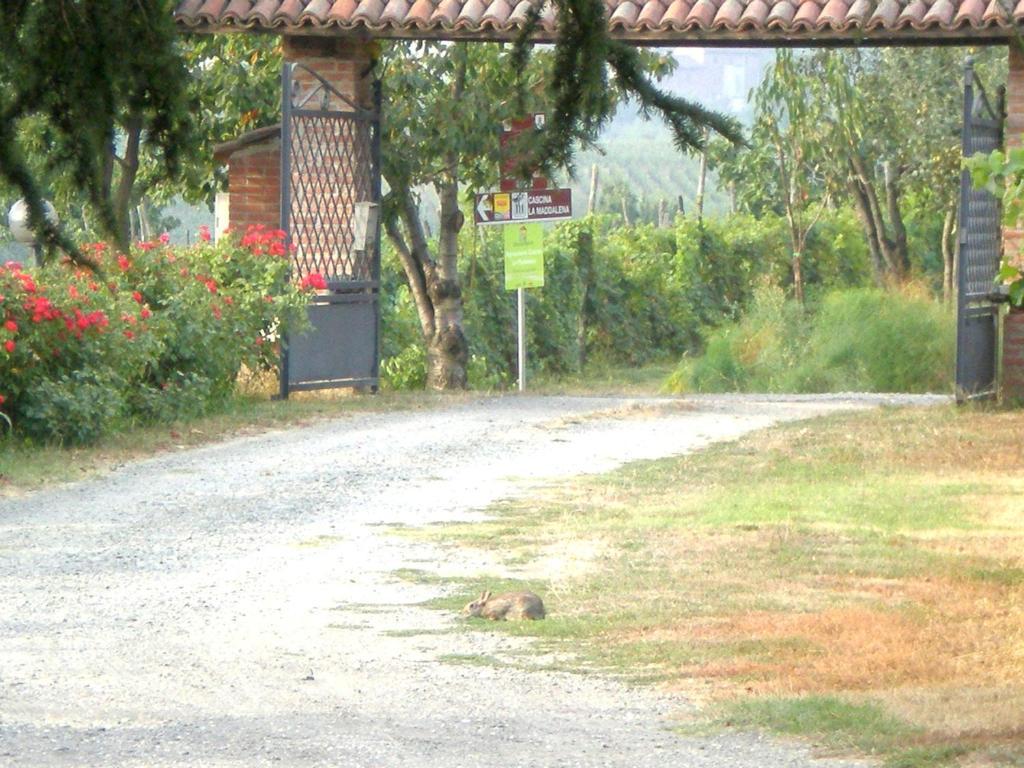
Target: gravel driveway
x: 235, y: 605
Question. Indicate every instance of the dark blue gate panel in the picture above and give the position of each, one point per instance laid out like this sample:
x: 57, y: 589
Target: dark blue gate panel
x: 341, y: 348
x: 980, y: 245
x: 330, y: 195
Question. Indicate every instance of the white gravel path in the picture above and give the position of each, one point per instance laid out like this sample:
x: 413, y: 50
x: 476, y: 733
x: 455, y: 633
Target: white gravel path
x: 235, y: 605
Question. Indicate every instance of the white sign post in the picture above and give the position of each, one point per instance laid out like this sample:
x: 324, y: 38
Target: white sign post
x: 521, y: 335
x: 524, y: 268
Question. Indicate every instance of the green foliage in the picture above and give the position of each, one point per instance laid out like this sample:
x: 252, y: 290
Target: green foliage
x: 873, y: 129
x: 78, y: 73
x: 1002, y: 174
x: 163, y: 336
x: 863, y: 339
x: 405, y: 370
x: 650, y: 293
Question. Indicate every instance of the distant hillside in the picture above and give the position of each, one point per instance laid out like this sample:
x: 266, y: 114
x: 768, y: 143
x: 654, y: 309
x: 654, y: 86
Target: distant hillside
x: 639, y: 154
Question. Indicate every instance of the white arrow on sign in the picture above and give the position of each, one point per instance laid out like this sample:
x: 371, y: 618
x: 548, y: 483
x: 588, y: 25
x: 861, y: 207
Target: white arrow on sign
x: 483, y: 207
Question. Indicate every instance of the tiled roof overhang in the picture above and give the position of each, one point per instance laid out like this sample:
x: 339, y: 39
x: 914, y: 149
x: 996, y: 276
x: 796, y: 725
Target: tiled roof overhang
x: 654, y: 22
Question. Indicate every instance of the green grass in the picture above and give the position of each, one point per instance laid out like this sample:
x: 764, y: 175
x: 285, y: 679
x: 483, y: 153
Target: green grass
x: 845, y: 725
x: 599, y: 379
x: 840, y: 725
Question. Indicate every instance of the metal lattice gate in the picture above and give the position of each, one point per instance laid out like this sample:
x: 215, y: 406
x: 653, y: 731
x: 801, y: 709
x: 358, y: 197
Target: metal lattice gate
x: 980, y: 248
x: 330, y: 193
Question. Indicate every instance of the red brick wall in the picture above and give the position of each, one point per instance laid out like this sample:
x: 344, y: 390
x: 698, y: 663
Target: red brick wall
x: 254, y: 183
x: 254, y: 173
x: 1013, y: 239
x: 327, y: 190
x: 1013, y: 357
x: 343, y: 63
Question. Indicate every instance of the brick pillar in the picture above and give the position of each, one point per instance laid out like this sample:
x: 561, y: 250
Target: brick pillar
x: 343, y: 63
x: 330, y: 162
x: 254, y: 184
x: 1013, y: 239
x: 1013, y: 357
x: 1012, y: 384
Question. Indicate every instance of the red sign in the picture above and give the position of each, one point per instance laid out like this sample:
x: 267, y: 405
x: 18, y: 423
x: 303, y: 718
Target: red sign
x: 510, y: 131
x: 523, y: 205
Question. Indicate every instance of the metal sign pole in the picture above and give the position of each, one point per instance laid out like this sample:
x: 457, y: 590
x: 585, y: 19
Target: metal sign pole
x: 521, y: 295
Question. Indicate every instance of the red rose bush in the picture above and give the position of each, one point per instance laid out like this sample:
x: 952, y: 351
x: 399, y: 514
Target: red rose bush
x: 156, y: 334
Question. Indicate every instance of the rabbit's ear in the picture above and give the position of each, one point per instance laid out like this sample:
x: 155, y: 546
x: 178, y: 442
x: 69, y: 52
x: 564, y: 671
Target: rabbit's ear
x: 485, y: 596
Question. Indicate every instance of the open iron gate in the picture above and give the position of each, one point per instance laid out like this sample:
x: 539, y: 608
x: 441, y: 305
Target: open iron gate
x: 980, y: 247
x: 330, y: 193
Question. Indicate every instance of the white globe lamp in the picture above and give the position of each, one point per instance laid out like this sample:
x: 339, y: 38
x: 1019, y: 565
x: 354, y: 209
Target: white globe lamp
x: 21, y: 228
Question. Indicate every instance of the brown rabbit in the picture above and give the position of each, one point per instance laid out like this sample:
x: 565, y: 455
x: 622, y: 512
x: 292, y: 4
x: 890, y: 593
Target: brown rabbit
x: 512, y: 605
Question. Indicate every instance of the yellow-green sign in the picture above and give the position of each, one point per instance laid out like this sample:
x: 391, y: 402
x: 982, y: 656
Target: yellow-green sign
x: 524, y: 256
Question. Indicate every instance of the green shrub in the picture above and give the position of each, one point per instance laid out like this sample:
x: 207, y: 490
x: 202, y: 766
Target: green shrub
x: 857, y: 340
x: 406, y: 370
x: 879, y: 341
x: 642, y: 293
x: 155, y: 334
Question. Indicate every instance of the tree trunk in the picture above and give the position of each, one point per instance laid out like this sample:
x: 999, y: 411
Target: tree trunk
x: 592, y: 197
x: 891, y: 256
x: 792, y: 212
x: 585, y: 269
x: 948, y: 232
x: 798, y: 277
x: 434, y: 284
x: 702, y: 177
x: 447, y: 349
x: 124, y: 193
x: 901, y: 254
x: 860, y: 205
x: 625, y: 212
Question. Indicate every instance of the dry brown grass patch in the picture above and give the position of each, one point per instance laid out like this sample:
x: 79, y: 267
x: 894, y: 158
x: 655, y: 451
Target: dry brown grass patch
x: 955, y: 633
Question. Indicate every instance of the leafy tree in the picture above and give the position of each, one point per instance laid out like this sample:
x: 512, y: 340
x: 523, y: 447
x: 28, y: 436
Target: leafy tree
x: 75, y: 76
x: 93, y: 67
x: 444, y: 104
x: 876, y: 129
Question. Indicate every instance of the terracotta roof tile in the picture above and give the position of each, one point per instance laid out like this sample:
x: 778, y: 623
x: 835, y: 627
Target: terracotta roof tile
x: 702, y: 14
x: 728, y: 15
x: 420, y: 13
x: 941, y: 13
x: 765, y: 21
x: 675, y: 14
x: 341, y: 11
x: 858, y: 14
x: 782, y: 14
x: 651, y: 14
x: 994, y: 13
x: 807, y: 13
x: 885, y: 15
x: 316, y: 9
x: 368, y: 11
x: 624, y: 15
x: 395, y: 12
x: 755, y: 15
x: 834, y: 14
x: 471, y: 14
x: 913, y: 14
